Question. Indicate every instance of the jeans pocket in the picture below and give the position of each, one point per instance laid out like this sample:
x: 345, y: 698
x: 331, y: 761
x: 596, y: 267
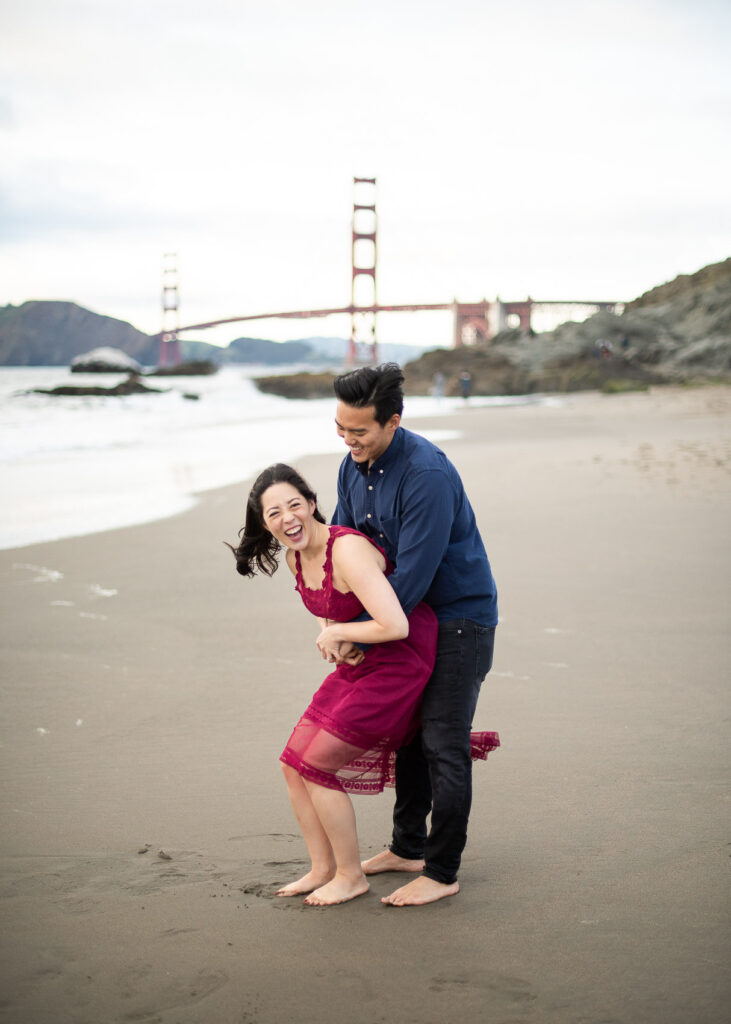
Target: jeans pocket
x: 484, y: 649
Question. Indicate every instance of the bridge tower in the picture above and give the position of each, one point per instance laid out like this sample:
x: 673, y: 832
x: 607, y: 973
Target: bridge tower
x: 169, y: 348
x: 363, y: 346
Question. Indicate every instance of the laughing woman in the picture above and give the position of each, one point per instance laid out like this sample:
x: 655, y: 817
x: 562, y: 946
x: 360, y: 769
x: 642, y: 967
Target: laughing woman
x: 363, y: 711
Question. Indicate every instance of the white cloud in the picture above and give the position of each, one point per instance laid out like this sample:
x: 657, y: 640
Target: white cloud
x: 529, y: 148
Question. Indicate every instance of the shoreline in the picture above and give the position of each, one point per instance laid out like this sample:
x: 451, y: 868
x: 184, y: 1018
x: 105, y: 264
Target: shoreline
x: 103, y: 484
x: 169, y: 505
x: 148, y: 691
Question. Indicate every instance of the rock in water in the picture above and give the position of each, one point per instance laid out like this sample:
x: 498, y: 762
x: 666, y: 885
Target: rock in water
x: 131, y: 386
x: 105, y: 360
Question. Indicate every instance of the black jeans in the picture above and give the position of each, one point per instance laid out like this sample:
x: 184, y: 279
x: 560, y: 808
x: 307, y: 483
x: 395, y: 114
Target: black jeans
x: 434, y: 772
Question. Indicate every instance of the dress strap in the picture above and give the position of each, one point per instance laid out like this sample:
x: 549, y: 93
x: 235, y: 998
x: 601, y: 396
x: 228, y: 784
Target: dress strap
x: 298, y: 581
x: 328, y: 563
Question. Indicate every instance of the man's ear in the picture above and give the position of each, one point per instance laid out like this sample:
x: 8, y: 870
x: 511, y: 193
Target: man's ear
x: 394, y: 422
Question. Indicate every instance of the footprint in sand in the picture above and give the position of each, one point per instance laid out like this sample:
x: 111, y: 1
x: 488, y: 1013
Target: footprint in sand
x: 171, y: 996
x: 515, y: 989
x: 265, y: 890
x: 41, y: 573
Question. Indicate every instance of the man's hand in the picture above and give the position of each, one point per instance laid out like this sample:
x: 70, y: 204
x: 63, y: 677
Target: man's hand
x: 350, y: 654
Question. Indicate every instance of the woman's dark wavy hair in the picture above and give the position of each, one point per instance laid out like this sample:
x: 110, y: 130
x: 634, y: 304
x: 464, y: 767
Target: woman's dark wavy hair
x: 257, y: 549
x: 379, y: 386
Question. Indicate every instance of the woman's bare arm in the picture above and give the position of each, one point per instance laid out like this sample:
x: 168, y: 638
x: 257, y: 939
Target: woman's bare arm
x: 359, y: 566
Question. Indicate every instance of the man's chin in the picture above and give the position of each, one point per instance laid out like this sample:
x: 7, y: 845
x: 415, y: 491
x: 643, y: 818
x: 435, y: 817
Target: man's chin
x: 359, y: 457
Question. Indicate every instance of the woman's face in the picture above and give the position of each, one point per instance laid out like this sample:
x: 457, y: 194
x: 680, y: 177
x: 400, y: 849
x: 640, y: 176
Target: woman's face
x: 288, y: 516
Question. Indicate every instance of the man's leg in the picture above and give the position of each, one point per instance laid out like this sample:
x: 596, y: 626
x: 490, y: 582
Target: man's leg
x: 413, y: 803
x: 464, y: 658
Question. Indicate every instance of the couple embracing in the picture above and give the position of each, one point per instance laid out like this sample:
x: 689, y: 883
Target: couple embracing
x: 407, y: 605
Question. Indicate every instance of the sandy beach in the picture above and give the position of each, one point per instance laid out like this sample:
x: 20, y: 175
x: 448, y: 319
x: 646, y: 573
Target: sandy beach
x: 147, y: 691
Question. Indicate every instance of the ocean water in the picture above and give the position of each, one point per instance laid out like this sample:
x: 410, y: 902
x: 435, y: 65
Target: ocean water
x: 76, y: 465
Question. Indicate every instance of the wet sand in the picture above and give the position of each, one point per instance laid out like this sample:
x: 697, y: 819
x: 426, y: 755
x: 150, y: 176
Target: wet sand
x: 147, y: 691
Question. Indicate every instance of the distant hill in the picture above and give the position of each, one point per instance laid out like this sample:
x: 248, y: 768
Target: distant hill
x: 41, y: 333
x: 51, y: 333
x: 318, y: 351
x: 271, y: 353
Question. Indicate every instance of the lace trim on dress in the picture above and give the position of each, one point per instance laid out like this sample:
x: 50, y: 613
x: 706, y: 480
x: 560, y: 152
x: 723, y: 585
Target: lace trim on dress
x: 340, y: 731
x: 369, y: 775
x: 481, y: 743
x: 327, y: 566
x: 368, y: 769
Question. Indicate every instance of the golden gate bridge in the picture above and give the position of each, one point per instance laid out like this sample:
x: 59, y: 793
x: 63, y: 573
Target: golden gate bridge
x: 472, y: 321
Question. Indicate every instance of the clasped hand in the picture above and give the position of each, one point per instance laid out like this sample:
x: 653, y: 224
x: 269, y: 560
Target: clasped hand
x: 338, y: 652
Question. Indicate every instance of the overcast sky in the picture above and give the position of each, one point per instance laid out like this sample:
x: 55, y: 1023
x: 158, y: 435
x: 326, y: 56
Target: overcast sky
x: 572, y: 149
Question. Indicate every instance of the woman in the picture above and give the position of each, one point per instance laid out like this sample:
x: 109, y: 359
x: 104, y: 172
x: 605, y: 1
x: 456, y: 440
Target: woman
x: 365, y: 709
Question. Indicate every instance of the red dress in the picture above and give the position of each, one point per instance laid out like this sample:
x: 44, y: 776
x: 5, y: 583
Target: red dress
x: 361, y: 714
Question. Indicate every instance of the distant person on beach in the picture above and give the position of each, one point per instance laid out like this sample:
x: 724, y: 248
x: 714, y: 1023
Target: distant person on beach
x: 403, y: 492
x: 465, y: 384
x: 438, y: 382
x: 369, y: 706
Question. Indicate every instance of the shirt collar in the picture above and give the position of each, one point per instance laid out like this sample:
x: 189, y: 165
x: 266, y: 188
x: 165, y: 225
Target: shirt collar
x: 389, y: 456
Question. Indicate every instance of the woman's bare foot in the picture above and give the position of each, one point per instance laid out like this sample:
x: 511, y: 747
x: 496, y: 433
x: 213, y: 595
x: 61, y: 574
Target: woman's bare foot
x: 312, y: 880
x: 339, y: 890
x: 387, y: 861
x: 422, y: 890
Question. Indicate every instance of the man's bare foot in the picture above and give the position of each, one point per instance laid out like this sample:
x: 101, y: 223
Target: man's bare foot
x: 387, y: 861
x: 312, y: 880
x: 421, y: 890
x: 339, y: 890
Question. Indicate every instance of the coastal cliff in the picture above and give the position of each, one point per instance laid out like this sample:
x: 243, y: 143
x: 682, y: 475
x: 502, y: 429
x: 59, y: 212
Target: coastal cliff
x: 679, y: 332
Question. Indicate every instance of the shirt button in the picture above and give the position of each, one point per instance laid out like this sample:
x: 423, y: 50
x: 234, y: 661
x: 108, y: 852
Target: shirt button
x: 380, y: 470
x: 380, y: 535
x: 370, y: 487
x: 368, y: 516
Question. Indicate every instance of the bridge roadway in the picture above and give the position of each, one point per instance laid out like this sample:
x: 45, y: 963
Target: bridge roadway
x: 411, y: 308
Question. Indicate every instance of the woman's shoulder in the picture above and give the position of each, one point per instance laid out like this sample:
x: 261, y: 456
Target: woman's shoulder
x: 344, y: 531
x: 347, y: 543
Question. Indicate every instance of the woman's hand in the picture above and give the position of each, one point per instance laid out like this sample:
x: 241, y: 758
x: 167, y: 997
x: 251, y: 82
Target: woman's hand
x: 328, y: 643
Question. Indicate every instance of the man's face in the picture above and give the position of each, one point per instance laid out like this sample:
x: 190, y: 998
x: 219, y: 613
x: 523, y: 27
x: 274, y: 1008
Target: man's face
x: 365, y: 437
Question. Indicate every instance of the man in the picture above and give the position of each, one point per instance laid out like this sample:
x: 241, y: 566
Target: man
x: 402, y: 491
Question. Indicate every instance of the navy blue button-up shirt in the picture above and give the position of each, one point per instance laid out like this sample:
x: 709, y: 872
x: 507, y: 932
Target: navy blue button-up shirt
x: 412, y: 502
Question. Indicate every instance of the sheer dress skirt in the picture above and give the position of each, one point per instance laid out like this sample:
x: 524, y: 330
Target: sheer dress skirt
x: 362, y: 714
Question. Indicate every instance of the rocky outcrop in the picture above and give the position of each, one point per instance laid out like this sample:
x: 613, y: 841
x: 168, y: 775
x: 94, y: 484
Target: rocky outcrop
x: 132, y: 386
x: 298, y: 385
x: 190, y: 368
x: 678, y: 332
x: 105, y: 360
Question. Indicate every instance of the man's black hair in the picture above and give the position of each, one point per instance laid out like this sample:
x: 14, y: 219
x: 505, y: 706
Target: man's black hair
x: 379, y: 386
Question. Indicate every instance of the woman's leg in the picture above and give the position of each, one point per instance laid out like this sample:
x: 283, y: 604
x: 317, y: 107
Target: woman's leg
x: 335, y: 812
x: 318, y: 845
